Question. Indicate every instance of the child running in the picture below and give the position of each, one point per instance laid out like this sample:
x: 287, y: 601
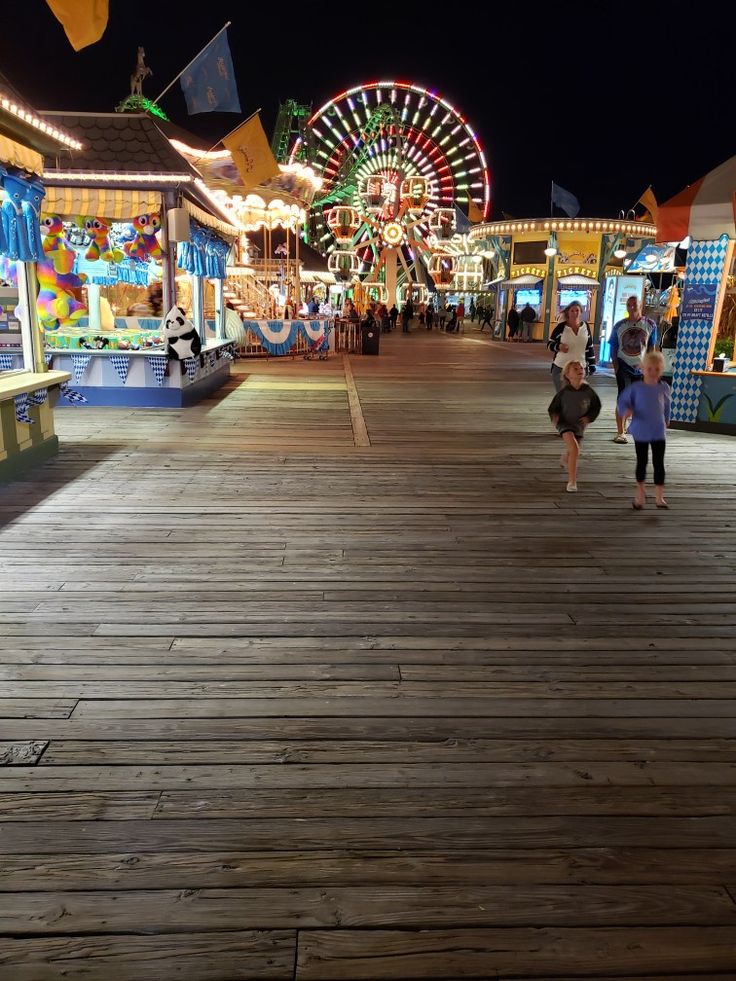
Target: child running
x: 647, y: 403
x: 573, y: 408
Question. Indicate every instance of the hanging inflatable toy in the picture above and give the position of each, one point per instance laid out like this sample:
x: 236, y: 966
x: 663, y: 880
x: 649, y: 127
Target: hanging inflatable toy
x: 144, y: 245
x: 14, y: 228
x: 100, y: 246
x: 31, y: 206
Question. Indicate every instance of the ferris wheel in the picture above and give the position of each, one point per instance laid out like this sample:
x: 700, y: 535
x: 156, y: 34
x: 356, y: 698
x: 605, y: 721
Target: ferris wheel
x: 398, y: 163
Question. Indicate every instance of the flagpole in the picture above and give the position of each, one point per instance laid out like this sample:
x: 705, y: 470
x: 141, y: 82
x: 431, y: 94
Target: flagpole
x: 189, y: 64
x: 552, y: 199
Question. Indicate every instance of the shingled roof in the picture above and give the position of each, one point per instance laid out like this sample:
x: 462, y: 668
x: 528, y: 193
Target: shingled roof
x: 123, y: 143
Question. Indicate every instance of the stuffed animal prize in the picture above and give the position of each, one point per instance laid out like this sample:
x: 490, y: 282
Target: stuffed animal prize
x: 180, y: 335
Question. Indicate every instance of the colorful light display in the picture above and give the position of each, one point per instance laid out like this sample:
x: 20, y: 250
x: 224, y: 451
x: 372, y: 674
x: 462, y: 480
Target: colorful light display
x: 403, y: 159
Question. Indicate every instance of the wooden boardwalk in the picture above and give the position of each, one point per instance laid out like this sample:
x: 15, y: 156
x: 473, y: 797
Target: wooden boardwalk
x: 328, y: 678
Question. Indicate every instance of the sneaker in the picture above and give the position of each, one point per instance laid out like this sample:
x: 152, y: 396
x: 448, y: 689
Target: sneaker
x: 572, y: 488
x: 621, y: 438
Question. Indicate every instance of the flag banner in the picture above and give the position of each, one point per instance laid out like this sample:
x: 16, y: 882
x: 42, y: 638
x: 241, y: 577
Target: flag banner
x: 6, y: 362
x: 38, y: 397
x: 649, y: 201
x: 209, y: 82
x: 475, y: 213
x: 76, y: 398
x: 84, y: 21
x: 565, y: 201
x: 192, y: 366
x: 462, y: 225
x: 21, y: 408
x: 158, y: 365
x: 121, y: 364
x: 80, y: 362
x: 251, y: 153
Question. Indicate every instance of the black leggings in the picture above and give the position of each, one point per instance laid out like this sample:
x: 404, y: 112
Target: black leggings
x: 642, y: 455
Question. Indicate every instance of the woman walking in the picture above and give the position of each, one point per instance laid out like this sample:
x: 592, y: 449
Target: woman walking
x: 571, y: 341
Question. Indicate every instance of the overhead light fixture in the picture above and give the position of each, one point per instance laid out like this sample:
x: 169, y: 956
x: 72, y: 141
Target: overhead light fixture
x: 551, y: 249
x: 620, y: 252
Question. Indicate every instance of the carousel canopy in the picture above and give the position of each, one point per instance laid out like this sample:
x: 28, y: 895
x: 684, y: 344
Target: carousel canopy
x: 704, y: 210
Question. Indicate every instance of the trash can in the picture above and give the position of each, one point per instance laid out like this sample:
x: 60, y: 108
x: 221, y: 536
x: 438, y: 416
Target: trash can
x: 370, y: 338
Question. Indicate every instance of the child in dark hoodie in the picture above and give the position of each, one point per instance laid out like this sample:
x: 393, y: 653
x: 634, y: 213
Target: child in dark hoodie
x: 572, y: 409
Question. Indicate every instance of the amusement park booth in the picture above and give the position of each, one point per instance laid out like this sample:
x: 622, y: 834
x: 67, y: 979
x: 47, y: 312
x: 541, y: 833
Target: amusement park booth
x: 28, y: 389
x: 549, y: 263
x: 126, y: 234
x: 704, y: 377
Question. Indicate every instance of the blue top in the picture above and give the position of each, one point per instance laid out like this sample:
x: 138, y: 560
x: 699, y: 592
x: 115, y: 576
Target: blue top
x: 651, y: 407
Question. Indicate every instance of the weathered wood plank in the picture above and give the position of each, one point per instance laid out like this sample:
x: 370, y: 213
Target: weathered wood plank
x: 384, y: 954
x: 199, y: 910
x: 241, y: 955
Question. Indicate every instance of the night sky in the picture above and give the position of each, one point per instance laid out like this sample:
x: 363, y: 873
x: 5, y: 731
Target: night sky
x: 603, y: 98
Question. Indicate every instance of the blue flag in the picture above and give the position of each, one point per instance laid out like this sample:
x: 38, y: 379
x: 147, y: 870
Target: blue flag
x: 565, y: 201
x: 208, y: 83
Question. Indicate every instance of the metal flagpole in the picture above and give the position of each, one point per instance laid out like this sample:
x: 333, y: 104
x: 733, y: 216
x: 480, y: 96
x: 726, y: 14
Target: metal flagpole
x: 552, y: 199
x: 189, y: 64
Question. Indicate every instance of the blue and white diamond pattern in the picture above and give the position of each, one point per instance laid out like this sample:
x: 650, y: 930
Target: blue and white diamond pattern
x: 80, y: 362
x: 21, y: 408
x: 121, y: 364
x: 192, y: 366
x: 76, y: 398
x: 39, y: 396
x: 705, y: 262
x: 6, y: 362
x: 158, y: 363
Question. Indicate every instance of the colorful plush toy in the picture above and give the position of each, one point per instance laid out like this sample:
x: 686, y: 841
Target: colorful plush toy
x: 100, y: 246
x: 144, y: 245
x: 58, y: 306
x: 54, y: 239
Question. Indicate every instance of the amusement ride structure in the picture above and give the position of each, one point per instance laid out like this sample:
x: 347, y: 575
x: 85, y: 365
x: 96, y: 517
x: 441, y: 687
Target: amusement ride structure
x: 399, y: 164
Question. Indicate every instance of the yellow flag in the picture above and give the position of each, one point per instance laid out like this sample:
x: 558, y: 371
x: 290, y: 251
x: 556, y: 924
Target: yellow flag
x: 475, y: 214
x: 251, y: 153
x: 84, y: 21
x: 650, y: 202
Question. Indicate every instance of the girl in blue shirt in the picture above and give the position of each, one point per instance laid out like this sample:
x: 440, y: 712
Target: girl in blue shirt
x: 647, y: 403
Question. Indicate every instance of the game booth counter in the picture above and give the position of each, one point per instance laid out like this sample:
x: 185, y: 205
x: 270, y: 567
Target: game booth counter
x: 128, y: 235
x: 28, y: 390
x: 701, y: 217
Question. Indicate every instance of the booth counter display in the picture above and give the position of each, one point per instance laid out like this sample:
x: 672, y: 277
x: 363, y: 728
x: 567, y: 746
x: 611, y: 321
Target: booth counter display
x: 148, y: 379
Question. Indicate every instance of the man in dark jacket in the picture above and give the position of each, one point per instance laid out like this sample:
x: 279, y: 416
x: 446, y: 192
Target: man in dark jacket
x: 512, y: 322
x: 528, y: 317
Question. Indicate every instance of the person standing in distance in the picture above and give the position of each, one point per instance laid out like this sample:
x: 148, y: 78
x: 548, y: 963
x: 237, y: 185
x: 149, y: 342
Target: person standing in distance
x: 631, y: 338
x: 512, y: 321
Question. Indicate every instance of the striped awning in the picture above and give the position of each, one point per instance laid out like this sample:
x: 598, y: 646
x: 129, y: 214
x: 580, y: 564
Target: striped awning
x: 20, y: 156
x: 102, y: 202
x: 229, y: 232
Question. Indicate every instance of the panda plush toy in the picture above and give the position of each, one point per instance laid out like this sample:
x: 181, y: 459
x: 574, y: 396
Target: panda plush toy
x: 182, y: 339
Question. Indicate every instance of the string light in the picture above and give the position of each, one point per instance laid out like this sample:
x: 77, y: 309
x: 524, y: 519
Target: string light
x: 40, y: 124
